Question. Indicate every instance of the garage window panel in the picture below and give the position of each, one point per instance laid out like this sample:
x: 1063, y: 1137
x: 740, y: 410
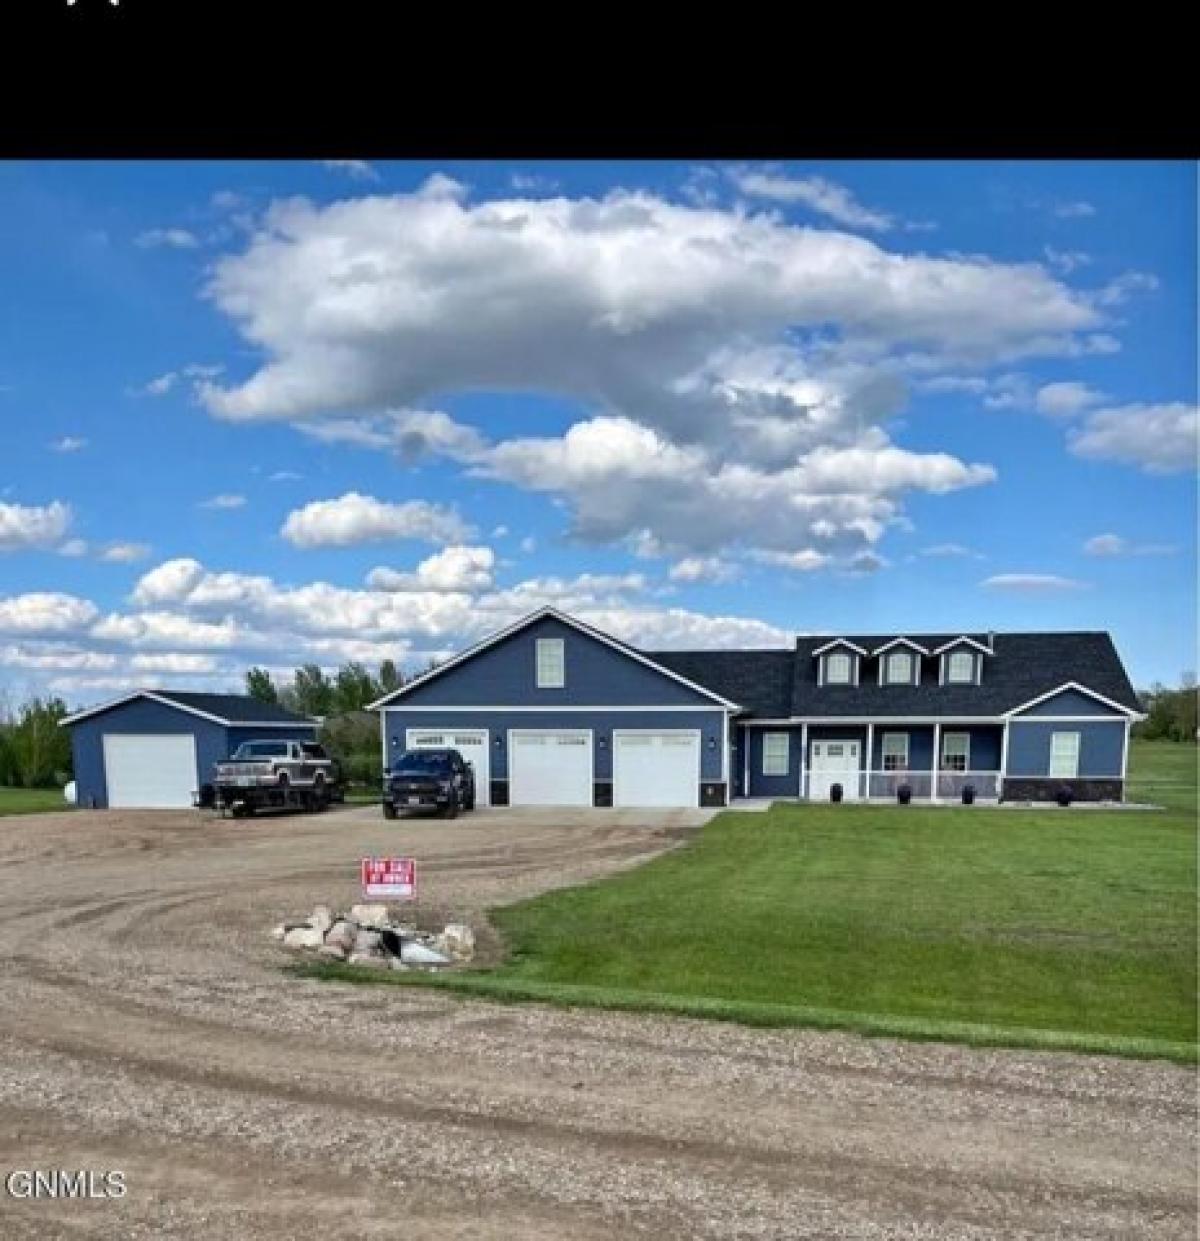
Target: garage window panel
x: 775, y: 754
x: 551, y: 663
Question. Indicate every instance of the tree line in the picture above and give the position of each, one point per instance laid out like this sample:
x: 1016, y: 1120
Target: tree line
x: 34, y: 752
x: 1170, y: 713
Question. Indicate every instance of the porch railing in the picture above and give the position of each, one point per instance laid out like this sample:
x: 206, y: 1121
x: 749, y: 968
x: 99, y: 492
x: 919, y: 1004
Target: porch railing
x: 884, y: 785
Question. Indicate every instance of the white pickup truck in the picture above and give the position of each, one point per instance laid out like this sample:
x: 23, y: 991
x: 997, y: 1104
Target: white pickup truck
x: 296, y: 774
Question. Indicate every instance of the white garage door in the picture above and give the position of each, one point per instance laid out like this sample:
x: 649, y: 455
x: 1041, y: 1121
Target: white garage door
x: 550, y: 767
x: 656, y: 769
x: 471, y: 743
x: 150, y: 772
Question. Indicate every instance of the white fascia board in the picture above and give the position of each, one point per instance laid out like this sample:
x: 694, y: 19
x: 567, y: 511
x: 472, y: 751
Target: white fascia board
x: 550, y: 708
x: 916, y: 646
x: 179, y: 706
x: 841, y: 642
x: 894, y: 720
x: 963, y: 640
x: 1081, y: 689
x: 541, y: 613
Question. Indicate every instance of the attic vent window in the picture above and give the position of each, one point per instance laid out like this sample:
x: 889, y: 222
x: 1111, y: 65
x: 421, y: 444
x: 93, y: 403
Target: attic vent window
x: 960, y: 668
x: 551, y: 664
x: 837, y: 669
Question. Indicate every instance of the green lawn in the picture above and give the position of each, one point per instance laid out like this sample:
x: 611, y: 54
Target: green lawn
x: 1048, y: 928
x: 30, y: 801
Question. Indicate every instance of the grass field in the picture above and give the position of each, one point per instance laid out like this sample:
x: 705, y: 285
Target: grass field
x: 30, y: 801
x: 1042, y: 927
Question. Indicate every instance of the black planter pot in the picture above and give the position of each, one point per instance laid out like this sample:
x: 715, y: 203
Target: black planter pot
x: 1064, y: 796
x: 968, y: 795
x: 904, y: 794
x: 835, y: 792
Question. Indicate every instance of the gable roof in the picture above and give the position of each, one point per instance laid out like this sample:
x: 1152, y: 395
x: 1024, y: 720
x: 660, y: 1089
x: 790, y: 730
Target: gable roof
x: 471, y: 651
x: 228, y: 709
x: 761, y: 681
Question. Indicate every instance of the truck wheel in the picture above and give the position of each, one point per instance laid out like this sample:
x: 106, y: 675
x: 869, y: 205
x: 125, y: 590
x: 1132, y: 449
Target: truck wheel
x: 451, y: 811
x: 284, y: 780
x: 389, y: 811
x: 320, y: 792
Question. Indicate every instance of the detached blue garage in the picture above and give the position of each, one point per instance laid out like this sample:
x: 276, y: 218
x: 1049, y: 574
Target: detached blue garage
x: 153, y: 749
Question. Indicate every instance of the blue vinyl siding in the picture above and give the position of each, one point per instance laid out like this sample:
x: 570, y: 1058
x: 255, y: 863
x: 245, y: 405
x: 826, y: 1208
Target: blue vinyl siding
x: 985, y: 744
x: 1101, y: 747
x: 596, y: 674
x: 1071, y: 702
x: 710, y: 723
x: 774, y: 786
x: 144, y: 716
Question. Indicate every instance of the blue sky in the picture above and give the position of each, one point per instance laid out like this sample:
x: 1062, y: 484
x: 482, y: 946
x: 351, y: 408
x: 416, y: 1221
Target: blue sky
x: 277, y: 412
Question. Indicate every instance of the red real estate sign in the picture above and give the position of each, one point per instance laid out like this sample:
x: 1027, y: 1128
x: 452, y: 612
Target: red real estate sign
x: 389, y: 878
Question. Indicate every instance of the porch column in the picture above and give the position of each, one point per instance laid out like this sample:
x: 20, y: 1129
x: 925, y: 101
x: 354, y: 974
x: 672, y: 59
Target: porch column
x: 803, y: 759
x: 869, y: 759
x: 937, y: 756
x: 1003, y: 763
x: 746, y: 762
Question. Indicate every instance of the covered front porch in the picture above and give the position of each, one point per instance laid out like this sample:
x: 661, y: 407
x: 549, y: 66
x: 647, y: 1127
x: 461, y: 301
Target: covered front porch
x: 937, y: 761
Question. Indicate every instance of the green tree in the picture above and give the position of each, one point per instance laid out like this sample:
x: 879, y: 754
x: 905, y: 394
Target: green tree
x: 38, y: 752
x: 260, y: 686
x: 312, y: 691
x: 389, y: 677
x: 354, y: 687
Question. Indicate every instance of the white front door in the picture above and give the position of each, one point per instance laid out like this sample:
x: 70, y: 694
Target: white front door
x: 549, y: 767
x: 833, y: 762
x: 471, y: 743
x: 151, y: 772
x: 656, y: 769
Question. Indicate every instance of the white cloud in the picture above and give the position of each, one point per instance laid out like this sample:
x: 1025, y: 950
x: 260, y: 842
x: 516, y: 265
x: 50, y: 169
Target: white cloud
x: 355, y: 169
x: 806, y: 561
x: 528, y: 544
x: 355, y: 518
x: 174, y: 663
x: 68, y: 443
x: 226, y: 500
x: 1077, y: 210
x: 456, y: 568
x: 950, y: 550
x: 1116, y: 545
x: 56, y: 656
x: 1125, y: 286
x: 198, y: 373
x: 44, y: 612
x: 532, y: 183
x: 73, y: 548
x: 1065, y: 400
x: 284, y: 476
x: 26, y: 526
x: 1031, y: 583
x: 500, y: 532
x: 171, y: 238
x: 167, y: 629
x: 825, y: 197
x: 693, y: 569
x: 1066, y: 261
x: 125, y: 553
x: 1160, y: 439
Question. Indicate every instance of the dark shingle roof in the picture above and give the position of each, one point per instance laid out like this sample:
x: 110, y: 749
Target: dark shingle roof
x: 235, y: 708
x: 779, y: 684
x: 759, y: 681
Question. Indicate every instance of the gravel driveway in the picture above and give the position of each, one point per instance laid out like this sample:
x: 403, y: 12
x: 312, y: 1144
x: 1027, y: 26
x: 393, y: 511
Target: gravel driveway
x: 146, y: 1027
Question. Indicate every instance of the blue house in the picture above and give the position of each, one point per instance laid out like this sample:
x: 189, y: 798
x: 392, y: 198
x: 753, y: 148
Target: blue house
x: 154, y: 749
x: 552, y: 711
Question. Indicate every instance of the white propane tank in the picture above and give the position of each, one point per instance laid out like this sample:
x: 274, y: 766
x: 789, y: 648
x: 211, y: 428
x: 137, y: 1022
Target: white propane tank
x: 69, y: 793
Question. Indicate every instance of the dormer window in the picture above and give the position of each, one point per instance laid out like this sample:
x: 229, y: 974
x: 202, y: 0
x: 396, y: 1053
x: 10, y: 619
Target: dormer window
x: 837, y: 669
x: 898, y: 669
x: 960, y: 668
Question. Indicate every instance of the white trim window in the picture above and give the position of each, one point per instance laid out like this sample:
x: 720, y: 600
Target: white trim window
x: 837, y: 668
x: 551, y: 663
x: 898, y: 669
x: 960, y: 668
x: 956, y: 751
x: 895, y: 752
x: 775, y: 754
x: 1064, y: 755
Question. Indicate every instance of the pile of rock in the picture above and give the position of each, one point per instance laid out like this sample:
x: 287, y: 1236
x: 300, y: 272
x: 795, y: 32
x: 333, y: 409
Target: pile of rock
x: 368, y: 935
